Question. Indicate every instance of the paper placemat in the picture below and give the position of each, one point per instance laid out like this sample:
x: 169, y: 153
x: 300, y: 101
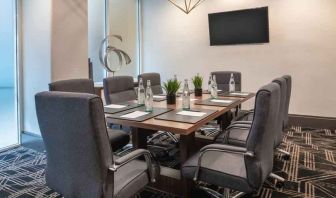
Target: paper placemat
x: 116, y: 108
x: 138, y: 114
x: 236, y: 94
x: 221, y: 102
x: 192, y: 116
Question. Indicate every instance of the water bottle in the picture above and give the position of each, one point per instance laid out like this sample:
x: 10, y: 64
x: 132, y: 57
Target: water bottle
x: 213, y: 91
x: 186, y: 96
x: 175, y: 77
x: 149, y: 97
x: 232, y: 84
x: 141, y: 93
x: 210, y: 83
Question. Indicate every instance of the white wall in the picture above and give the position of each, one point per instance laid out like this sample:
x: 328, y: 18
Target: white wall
x: 302, y: 44
x: 35, y: 52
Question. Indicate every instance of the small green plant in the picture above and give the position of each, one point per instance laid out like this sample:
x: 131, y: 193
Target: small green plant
x: 197, y: 81
x: 171, y: 86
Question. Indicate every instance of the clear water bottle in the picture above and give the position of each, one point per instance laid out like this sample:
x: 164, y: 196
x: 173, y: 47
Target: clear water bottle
x: 213, y: 91
x: 141, y: 93
x: 175, y: 77
x: 149, y: 97
x: 186, y: 96
x: 232, y: 84
x: 210, y: 83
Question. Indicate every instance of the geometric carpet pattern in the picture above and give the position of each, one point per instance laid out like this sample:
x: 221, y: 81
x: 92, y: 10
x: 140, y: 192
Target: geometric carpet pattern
x: 310, y: 172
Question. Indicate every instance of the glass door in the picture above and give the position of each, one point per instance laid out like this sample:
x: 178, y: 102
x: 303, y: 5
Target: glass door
x: 9, y: 130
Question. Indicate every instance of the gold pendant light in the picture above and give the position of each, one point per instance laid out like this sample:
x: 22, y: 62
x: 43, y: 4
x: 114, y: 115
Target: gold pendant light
x: 186, y: 5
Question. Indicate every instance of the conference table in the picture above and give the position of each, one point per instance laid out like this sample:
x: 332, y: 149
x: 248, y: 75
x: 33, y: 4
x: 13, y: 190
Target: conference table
x: 170, y: 179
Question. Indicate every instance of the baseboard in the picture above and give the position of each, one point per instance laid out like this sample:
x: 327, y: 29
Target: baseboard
x: 313, y: 121
x: 31, y: 134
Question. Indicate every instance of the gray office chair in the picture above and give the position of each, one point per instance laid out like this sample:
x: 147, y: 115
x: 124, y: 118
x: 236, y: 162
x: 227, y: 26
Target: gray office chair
x: 223, y: 79
x: 223, y: 83
x: 237, y: 134
x: 73, y: 85
x: 155, y: 79
x: 288, y: 79
x: 119, y: 89
x: 80, y: 162
x: 118, y: 138
x: 155, y: 82
x: 242, y: 169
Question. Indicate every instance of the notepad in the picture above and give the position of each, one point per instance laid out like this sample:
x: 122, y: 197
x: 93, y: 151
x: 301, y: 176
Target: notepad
x: 191, y: 99
x: 191, y: 113
x: 135, y: 114
x: 239, y: 94
x: 115, y: 106
x: 159, y: 97
x: 221, y: 101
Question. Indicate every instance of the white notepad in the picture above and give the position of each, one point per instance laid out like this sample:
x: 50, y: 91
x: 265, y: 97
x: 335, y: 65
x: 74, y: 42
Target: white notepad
x: 191, y: 99
x: 159, y: 97
x: 191, y: 113
x: 115, y: 106
x: 239, y: 94
x: 135, y: 114
x: 221, y: 101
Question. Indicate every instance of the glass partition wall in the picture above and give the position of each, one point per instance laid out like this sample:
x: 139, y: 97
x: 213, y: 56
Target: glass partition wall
x: 9, y: 130
x: 115, y: 17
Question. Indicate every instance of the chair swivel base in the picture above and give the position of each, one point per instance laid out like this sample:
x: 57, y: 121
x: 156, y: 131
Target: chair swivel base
x: 286, y: 154
x: 226, y: 193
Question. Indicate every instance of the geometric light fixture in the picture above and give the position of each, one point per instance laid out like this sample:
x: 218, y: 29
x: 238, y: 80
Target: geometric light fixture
x: 186, y: 5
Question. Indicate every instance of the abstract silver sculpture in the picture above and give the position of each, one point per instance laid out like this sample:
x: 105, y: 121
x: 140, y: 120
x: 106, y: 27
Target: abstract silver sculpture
x: 107, y: 50
x: 186, y: 5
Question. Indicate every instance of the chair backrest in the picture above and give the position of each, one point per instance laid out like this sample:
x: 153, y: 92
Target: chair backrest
x: 119, y: 89
x: 73, y: 85
x: 155, y: 82
x: 280, y: 119
x: 223, y: 79
x: 261, y: 135
x: 288, y: 79
x: 75, y: 136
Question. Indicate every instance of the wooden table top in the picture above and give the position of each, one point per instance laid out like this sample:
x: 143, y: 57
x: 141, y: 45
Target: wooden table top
x: 179, y: 127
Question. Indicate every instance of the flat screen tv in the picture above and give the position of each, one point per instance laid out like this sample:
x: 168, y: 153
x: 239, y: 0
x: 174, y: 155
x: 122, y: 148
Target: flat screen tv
x: 239, y: 27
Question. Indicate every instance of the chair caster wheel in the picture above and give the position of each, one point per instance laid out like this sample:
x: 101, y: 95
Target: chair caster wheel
x: 286, y: 157
x: 280, y: 184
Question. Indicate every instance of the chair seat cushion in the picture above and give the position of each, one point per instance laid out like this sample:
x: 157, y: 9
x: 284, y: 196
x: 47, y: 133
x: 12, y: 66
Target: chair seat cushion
x: 233, y: 174
x: 130, y: 179
x: 118, y: 138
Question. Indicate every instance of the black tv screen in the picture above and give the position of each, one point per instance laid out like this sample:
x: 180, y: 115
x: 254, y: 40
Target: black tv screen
x: 239, y: 27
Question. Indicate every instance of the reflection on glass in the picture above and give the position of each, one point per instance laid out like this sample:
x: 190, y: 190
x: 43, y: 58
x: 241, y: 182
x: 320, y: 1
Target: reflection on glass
x: 8, y: 111
x: 123, y: 21
x: 114, y: 17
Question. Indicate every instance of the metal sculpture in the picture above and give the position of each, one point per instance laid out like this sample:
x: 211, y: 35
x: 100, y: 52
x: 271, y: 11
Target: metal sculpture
x: 106, y: 52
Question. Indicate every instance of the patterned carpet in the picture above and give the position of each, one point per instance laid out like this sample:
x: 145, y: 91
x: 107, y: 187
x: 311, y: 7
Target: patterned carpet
x: 311, y: 171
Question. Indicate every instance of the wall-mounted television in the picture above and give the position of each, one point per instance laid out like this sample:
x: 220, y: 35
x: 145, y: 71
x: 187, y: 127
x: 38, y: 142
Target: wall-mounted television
x: 239, y: 27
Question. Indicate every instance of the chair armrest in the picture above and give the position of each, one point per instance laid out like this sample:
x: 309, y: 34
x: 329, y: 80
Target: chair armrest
x: 242, y: 122
x: 221, y: 148
x: 226, y: 149
x: 238, y: 126
x: 132, y: 156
